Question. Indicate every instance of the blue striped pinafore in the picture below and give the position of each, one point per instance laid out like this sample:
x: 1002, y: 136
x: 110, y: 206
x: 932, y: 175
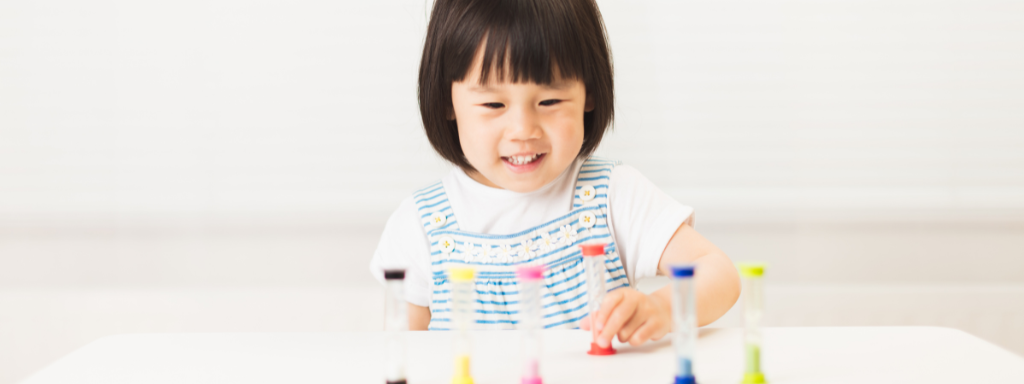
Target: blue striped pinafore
x: 554, y: 244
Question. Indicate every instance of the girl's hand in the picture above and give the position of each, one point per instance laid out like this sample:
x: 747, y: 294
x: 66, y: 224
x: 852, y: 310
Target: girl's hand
x: 634, y: 316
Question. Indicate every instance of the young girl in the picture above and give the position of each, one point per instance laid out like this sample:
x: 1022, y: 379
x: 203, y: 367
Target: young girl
x: 517, y: 94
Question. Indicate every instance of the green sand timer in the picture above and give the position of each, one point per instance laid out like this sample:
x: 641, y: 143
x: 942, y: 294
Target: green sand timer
x: 753, y: 313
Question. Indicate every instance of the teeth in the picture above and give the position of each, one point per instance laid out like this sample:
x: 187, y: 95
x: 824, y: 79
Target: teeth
x: 520, y: 160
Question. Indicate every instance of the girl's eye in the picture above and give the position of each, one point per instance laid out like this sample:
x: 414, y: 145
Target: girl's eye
x: 551, y: 102
x: 494, y: 105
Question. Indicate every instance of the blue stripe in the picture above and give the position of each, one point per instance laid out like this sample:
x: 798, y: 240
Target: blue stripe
x: 432, y: 205
x: 538, y: 256
x: 594, y: 178
x: 480, y: 311
x: 429, y: 198
x: 566, y: 301
x: 596, y: 170
x: 549, y: 286
x: 418, y: 194
x: 481, y: 302
x: 620, y: 277
x: 449, y: 224
x: 552, y: 325
x: 481, y: 293
x: 478, y: 321
x: 595, y: 162
x: 565, y: 260
x: 567, y: 289
x: 595, y: 186
x: 440, y: 279
x: 574, y: 212
x: 566, y: 321
x: 576, y: 253
x: 431, y: 213
x: 567, y: 311
x: 548, y: 273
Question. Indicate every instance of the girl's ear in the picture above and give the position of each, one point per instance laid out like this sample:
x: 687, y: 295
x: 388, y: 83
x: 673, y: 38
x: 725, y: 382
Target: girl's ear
x: 588, y: 105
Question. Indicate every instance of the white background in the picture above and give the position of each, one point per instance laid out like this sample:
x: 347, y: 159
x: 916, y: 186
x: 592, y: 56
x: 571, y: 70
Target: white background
x: 228, y: 165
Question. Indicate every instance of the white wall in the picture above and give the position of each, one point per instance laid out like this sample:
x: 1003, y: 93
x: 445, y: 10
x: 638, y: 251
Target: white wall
x: 163, y: 161
x: 231, y: 107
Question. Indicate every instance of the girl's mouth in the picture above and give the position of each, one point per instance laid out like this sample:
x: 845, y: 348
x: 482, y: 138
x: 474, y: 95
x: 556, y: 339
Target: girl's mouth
x: 522, y: 164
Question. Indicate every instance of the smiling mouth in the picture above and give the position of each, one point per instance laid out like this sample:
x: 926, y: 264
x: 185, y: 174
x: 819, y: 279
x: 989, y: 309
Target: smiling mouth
x: 522, y: 160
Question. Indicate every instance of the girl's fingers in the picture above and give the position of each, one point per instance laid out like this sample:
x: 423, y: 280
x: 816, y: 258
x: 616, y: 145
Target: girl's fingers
x: 585, y: 323
x: 643, y: 334
x: 661, y: 332
x: 619, y: 316
x: 607, y: 306
x: 627, y: 330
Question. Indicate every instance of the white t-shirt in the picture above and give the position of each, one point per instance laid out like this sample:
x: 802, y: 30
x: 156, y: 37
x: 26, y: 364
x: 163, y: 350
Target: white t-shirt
x: 642, y: 221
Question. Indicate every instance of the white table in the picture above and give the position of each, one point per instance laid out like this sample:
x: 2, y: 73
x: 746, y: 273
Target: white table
x: 791, y: 355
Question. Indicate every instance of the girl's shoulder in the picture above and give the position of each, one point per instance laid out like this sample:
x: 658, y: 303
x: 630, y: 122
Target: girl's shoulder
x: 597, y: 160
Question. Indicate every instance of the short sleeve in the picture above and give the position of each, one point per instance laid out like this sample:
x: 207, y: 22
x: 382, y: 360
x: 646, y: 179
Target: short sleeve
x: 404, y: 245
x: 643, y: 220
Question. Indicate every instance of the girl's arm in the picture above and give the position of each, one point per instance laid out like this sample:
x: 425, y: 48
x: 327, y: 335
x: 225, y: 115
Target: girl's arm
x: 716, y: 279
x: 419, y: 317
x: 636, y: 317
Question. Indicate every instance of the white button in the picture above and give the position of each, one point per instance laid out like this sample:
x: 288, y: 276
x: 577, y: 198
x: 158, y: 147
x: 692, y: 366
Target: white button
x: 587, y: 219
x: 587, y: 193
x: 447, y: 244
x: 437, y: 219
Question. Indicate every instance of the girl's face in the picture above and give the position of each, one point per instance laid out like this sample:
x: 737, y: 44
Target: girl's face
x: 518, y: 136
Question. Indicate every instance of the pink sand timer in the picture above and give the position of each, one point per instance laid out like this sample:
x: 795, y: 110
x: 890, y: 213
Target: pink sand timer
x: 530, y: 280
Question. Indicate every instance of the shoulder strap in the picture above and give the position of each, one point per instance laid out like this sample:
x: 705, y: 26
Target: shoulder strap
x: 434, y: 210
x: 592, y: 182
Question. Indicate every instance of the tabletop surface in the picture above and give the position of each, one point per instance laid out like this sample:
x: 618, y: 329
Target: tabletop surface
x: 790, y: 355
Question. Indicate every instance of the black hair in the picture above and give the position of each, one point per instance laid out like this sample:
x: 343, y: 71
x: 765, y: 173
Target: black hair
x: 526, y: 40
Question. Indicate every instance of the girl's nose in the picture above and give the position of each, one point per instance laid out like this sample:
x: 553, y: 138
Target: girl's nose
x: 524, y: 125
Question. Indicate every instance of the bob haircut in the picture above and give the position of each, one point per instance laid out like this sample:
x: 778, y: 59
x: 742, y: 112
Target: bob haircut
x: 526, y: 41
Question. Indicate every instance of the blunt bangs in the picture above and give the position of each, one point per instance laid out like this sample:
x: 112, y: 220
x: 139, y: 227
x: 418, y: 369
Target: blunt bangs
x: 538, y: 41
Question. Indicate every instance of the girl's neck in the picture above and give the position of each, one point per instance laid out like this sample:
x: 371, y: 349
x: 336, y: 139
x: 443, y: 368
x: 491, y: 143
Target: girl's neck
x: 477, y: 177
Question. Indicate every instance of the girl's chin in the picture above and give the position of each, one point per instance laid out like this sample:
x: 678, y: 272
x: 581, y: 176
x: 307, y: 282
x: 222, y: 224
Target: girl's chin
x: 524, y: 186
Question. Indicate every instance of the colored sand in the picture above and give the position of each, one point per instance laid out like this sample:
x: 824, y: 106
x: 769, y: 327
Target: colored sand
x: 753, y: 358
x: 753, y: 378
x: 685, y: 367
x: 533, y: 374
x: 462, y: 370
x: 685, y: 372
x: 753, y: 374
x: 534, y: 369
